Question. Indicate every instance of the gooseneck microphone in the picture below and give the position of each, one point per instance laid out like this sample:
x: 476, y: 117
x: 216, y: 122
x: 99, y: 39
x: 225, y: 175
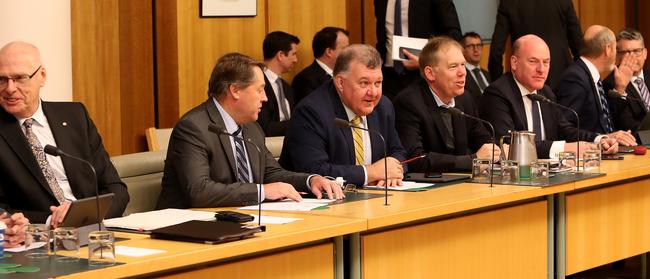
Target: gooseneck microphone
x: 542, y: 98
x: 222, y: 131
x: 55, y: 151
x: 458, y: 112
x: 346, y: 124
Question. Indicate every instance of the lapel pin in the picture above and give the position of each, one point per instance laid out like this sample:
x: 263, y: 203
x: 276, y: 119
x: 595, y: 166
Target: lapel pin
x: 65, y: 124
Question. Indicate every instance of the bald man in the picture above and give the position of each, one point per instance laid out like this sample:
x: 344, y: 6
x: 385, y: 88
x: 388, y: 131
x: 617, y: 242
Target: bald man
x: 32, y: 182
x: 506, y: 104
x: 581, y: 87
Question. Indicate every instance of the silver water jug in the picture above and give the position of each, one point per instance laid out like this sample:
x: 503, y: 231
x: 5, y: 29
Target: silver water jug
x: 522, y: 147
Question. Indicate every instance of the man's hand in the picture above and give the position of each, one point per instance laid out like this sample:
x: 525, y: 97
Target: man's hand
x: 58, y: 214
x: 623, y: 137
x: 609, y: 145
x: 391, y: 183
x: 320, y: 184
x: 395, y: 171
x: 623, y: 73
x: 485, y: 152
x: 413, y: 62
x: 280, y: 190
x: 16, y: 227
x: 584, y: 146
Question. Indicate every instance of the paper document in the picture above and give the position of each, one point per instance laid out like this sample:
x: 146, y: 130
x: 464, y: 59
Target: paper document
x: 290, y: 205
x: 406, y: 186
x: 135, y: 251
x: 274, y: 220
x: 23, y: 248
x: 413, y: 45
x: 151, y: 220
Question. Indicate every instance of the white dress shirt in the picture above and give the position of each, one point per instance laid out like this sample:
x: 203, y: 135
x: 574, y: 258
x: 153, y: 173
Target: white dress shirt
x: 367, y: 146
x: 273, y: 77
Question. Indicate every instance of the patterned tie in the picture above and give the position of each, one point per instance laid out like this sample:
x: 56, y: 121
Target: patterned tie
x: 281, y: 101
x: 397, y: 65
x: 241, y: 158
x: 37, y: 149
x: 605, y: 119
x: 644, y: 92
x: 537, y: 122
x: 357, y: 135
x: 479, y: 78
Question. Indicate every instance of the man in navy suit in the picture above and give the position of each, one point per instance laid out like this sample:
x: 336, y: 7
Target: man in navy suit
x: 280, y: 55
x: 423, y: 122
x: 314, y: 143
x: 631, y: 108
x: 477, y: 78
x: 327, y: 44
x: 32, y: 182
x: 581, y: 87
x: 507, y: 105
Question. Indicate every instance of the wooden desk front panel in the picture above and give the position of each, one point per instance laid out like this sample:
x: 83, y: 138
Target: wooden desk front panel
x: 607, y: 224
x: 309, y: 262
x: 503, y: 243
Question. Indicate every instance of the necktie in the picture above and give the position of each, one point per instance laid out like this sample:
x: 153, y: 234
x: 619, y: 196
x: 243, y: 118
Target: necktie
x: 479, y: 78
x: 447, y: 121
x: 37, y: 149
x: 537, y: 122
x: 241, y: 158
x: 282, y: 99
x: 604, y: 117
x: 397, y: 65
x: 357, y: 136
x: 644, y: 92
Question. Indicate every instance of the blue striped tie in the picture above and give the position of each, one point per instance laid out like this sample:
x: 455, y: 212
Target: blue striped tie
x: 604, y: 118
x: 241, y: 158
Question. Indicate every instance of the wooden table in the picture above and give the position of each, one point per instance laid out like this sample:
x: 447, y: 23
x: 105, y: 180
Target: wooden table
x: 302, y: 249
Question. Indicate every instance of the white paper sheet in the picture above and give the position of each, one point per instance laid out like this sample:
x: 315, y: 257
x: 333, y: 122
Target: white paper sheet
x: 146, y: 221
x: 290, y: 205
x: 274, y: 220
x: 22, y: 247
x: 406, y: 42
x: 135, y: 251
x: 407, y: 186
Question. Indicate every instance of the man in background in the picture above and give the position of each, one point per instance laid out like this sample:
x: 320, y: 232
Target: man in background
x: 327, y: 44
x: 477, y: 79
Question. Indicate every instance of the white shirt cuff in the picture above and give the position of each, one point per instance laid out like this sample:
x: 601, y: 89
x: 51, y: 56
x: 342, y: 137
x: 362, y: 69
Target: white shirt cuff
x: 365, y: 176
x: 260, y: 192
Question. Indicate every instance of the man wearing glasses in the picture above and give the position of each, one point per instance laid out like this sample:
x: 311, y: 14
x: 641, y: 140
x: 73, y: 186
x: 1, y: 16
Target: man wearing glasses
x: 32, y: 182
x: 630, y: 109
x: 313, y: 142
x: 477, y: 79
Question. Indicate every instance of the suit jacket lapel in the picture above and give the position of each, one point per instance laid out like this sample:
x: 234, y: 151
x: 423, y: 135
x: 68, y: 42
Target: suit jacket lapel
x: 434, y: 111
x: 339, y: 111
x: 376, y: 145
x: 520, y: 112
x: 215, y: 118
x: 460, y: 131
x: 253, y: 154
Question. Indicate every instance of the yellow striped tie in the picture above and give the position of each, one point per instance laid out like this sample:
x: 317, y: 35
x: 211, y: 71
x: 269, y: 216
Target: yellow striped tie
x: 357, y: 135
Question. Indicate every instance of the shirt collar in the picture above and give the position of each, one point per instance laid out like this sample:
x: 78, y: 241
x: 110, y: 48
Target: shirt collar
x: 523, y: 89
x: 470, y: 67
x: 325, y: 68
x: 228, y: 121
x: 272, y: 76
x: 440, y: 103
x: 639, y: 76
x: 592, y: 69
x: 351, y: 115
x: 38, y: 116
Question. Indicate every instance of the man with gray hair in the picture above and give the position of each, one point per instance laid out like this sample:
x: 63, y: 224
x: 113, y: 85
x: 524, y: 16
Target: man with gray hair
x: 314, y: 143
x: 581, y: 85
x: 631, y: 106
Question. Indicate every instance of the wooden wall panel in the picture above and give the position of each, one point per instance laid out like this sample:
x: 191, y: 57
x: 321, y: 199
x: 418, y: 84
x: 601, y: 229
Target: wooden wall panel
x: 369, y: 23
x: 610, y: 13
x: 304, y: 19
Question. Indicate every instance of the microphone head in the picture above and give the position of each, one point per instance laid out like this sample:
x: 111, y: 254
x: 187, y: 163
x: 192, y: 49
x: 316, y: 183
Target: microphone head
x: 52, y: 150
x: 538, y: 97
x: 341, y: 123
x: 455, y: 111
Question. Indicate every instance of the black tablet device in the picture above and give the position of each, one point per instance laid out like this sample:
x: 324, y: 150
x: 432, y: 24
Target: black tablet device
x: 83, y: 212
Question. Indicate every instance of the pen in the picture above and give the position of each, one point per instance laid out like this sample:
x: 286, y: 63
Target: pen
x: 412, y: 159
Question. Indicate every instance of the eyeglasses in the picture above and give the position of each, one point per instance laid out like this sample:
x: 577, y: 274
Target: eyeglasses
x: 19, y: 79
x: 477, y: 46
x: 634, y: 52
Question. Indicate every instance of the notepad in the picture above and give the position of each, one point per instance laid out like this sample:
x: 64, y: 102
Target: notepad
x: 151, y: 220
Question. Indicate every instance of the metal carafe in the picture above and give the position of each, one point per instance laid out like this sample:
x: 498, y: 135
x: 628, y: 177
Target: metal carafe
x: 522, y: 147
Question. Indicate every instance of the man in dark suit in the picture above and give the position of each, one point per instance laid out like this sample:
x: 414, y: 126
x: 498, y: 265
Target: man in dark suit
x: 34, y: 183
x: 327, y: 44
x: 315, y: 144
x: 279, y: 57
x: 204, y: 169
x: 555, y: 21
x: 477, y: 79
x: 581, y: 88
x: 415, y: 19
x: 630, y: 110
x: 507, y: 105
x: 423, y: 122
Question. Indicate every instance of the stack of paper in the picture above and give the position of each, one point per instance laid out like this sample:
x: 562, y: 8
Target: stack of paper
x: 406, y: 186
x: 147, y: 221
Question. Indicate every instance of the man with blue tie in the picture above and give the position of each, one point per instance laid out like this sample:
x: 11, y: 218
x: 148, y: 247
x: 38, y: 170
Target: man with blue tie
x: 477, y: 78
x: 315, y: 144
x: 581, y: 85
x: 221, y: 166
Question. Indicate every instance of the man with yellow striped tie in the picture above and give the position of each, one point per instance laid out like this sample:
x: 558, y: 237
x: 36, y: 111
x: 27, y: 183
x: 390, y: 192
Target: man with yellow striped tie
x: 314, y: 143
